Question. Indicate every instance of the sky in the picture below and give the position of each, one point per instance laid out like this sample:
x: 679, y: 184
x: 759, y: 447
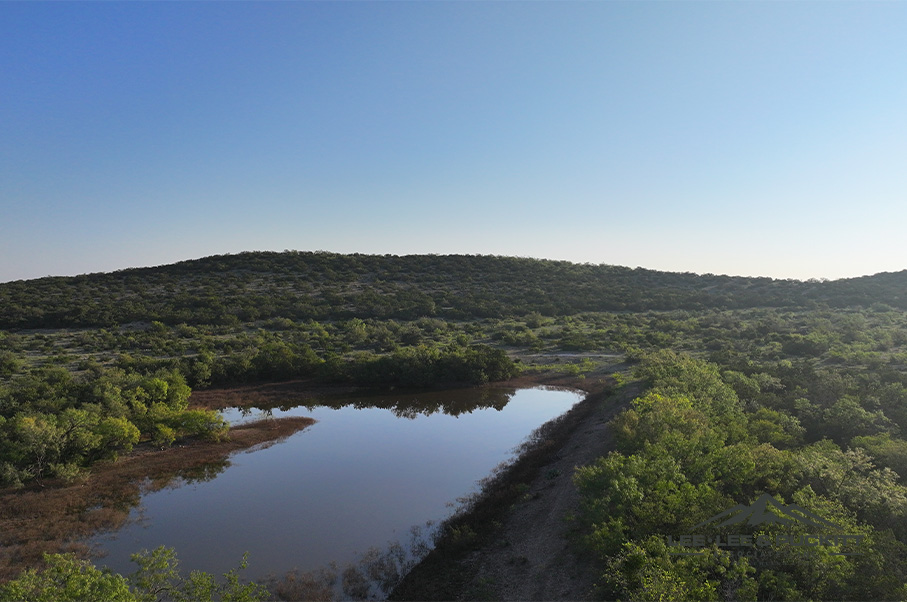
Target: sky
x: 741, y: 138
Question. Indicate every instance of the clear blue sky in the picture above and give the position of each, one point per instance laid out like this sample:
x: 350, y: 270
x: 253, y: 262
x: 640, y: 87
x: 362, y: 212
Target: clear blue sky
x: 749, y: 138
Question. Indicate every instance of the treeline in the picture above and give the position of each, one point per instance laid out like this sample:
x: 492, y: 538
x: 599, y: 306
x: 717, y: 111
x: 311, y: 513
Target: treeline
x: 701, y: 441
x: 426, y: 366
x: 418, y: 366
x: 869, y: 338
x: 799, y: 390
x: 234, y: 289
x: 269, y: 358
x: 54, y: 424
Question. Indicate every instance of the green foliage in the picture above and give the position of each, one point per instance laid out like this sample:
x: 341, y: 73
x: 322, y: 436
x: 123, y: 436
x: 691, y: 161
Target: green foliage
x: 846, y: 419
x: 55, y: 425
x: 36, y: 445
x: 775, y: 427
x: 633, y: 496
x: 619, y: 379
x: 851, y: 478
x: 65, y: 578
x: 579, y: 368
x: 202, y: 423
x: 158, y: 578
x: 229, y: 289
x: 9, y: 364
x: 797, y: 372
x: 645, y: 571
x: 426, y: 366
x: 672, y: 374
x: 677, y: 464
x: 681, y: 431
x: 886, y: 451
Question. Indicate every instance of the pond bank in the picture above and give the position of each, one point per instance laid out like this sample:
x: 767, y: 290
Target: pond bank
x: 512, y: 541
x: 57, y: 517
x: 61, y: 517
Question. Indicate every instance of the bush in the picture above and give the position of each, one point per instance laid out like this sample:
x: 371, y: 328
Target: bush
x: 66, y: 578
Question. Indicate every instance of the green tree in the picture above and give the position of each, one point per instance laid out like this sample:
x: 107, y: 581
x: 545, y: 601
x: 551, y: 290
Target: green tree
x: 67, y: 579
x: 645, y: 571
x: 887, y: 451
x: 9, y: 364
x: 158, y: 578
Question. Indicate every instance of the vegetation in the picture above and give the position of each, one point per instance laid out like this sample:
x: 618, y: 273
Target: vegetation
x: 54, y: 424
x: 693, y: 446
x: 235, y: 289
x: 753, y: 386
x: 68, y: 579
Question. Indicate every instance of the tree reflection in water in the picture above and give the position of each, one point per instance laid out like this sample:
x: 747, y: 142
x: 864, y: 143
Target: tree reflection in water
x: 406, y: 405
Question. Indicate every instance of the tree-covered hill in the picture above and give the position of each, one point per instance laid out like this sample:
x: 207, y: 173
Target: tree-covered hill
x: 757, y: 386
x: 229, y: 289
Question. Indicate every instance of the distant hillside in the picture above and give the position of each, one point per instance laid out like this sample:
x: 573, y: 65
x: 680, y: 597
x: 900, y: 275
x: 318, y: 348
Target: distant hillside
x: 225, y: 289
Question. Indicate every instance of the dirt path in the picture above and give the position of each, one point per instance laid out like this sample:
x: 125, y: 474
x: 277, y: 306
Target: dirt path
x: 531, y: 557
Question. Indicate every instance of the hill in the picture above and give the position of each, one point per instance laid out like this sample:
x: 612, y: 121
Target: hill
x: 230, y: 289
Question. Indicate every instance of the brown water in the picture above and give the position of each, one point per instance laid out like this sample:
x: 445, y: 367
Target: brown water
x: 369, y: 470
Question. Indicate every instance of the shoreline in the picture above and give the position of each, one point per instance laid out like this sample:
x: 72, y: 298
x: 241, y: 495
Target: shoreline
x: 512, y: 541
x: 60, y: 517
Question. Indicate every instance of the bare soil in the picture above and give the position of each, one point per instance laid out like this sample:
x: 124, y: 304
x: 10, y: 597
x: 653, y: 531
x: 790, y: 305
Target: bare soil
x: 531, y: 556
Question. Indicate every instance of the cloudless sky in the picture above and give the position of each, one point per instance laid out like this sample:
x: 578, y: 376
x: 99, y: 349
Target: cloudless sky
x: 743, y: 138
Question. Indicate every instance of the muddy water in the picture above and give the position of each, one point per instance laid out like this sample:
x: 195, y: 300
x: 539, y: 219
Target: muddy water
x: 371, y: 468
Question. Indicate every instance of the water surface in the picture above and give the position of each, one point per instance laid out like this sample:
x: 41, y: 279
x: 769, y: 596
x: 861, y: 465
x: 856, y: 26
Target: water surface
x: 371, y: 468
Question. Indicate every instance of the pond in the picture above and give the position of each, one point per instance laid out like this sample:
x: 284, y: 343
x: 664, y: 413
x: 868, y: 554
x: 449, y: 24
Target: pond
x: 369, y: 470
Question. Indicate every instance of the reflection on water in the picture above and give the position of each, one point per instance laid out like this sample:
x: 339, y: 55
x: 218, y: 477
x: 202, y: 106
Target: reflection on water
x: 199, y: 474
x: 376, y: 573
x: 403, y: 405
x: 369, y: 469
